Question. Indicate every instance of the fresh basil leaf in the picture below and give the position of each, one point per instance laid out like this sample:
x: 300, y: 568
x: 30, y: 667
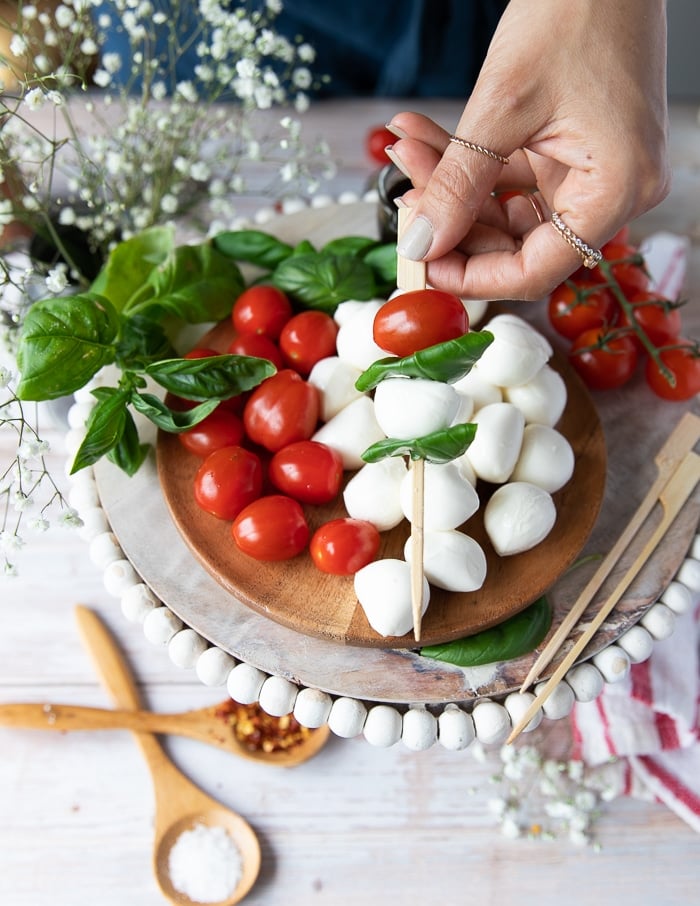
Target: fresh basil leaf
x: 440, y: 446
x: 382, y: 260
x: 104, y: 429
x: 305, y: 247
x: 64, y: 343
x: 514, y: 637
x: 129, y: 453
x: 323, y: 281
x: 350, y: 245
x: 253, y: 246
x: 142, y: 341
x: 167, y: 419
x: 130, y: 263
x: 446, y: 362
x: 214, y: 377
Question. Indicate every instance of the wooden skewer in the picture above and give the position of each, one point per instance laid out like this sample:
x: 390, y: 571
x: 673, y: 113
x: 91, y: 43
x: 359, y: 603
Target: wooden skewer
x: 672, y: 498
x: 681, y: 440
x: 412, y: 275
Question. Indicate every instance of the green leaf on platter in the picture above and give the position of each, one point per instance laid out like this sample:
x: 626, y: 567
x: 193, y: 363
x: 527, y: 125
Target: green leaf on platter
x: 64, y: 342
x: 439, y: 447
x: 382, y: 260
x: 142, y: 341
x: 214, y: 377
x: 323, y: 281
x: 356, y: 246
x: 105, y: 427
x: 131, y: 262
x: 513, y: 638
x: 129, y: 453
x: 446, y: 362
x: 170, y: 420
x: 305, y: 247
x: 252, y: 246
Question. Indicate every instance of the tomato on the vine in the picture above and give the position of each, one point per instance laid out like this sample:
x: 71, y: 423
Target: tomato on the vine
x: 376, y: 140
x: 417, y: 319
x: 307, y: 470
x: 307, y: 338
x: 683, y: 362
x: 221, y: 428
x: 628, y: 271
x: 603, y: 361
x: 282, y: 409
x: 261, y: 309
x: 258, y: 345
x: 271, y: 528
x: 577, y: 306
x: 228, y: 480
x: 656, y: 316
x: 342, y: 546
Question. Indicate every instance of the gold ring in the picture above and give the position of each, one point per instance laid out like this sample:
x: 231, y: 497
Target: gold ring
x: 536, y: 207
x: 590, y: 256
x: 479, y: 149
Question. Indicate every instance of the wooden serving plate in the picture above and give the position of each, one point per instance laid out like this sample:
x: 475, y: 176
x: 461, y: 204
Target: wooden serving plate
x: 297, y: 595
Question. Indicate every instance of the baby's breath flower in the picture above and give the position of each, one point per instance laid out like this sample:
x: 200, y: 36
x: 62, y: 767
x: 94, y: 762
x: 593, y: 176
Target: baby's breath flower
x: 70, y: 518
x: 57, y: 279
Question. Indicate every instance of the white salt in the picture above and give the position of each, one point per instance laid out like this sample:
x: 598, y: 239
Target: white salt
x: 205, y: 864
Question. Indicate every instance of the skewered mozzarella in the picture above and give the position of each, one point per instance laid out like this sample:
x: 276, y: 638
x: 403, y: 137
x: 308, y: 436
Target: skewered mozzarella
x: 412, y: 407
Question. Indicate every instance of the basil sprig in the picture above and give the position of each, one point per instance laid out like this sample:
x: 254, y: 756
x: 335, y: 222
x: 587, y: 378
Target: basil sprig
x: 439, y: 447
x: 513, y: 638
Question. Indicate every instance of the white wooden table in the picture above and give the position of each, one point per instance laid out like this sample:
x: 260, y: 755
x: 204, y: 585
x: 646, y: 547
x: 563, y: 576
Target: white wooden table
x: 356, y: 824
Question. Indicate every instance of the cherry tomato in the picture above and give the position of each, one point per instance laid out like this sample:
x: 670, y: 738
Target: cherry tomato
x: 417, y: 319
x: 307, y: 338
x: 683, y: 361
x: 308, y: 471
x: 376, y: 140
x: 342, y: 546
x: 603, y: 365
x: 259, y: 345
x: 281, y: 410
x: 577, y: 306
x: 200, y: 352
x: 261, y: 309
x: 629, y: 271
x: 657, y: 317
x: 228, y: 480
x: 271, y: 528
x: 221, y: 428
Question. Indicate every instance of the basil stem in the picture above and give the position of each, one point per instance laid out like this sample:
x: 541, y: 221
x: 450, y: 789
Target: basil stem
x: 439, y: 447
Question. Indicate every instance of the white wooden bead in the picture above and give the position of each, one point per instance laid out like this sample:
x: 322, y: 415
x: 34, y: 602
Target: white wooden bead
x: 72, y: 441
x: 613, y: 663
x: 137, y: 602
x: 659, y: 621
x: 689, y: 575
x: 347, y: 717
x: 95, y: 522
x: 491, y: 722
x: 455, y: 728
x: 312, y: 707
x: 161, y: 625
x: 678, y: 597
x: 185, y: 647
x: 213, y: 666
x: 83, y: 495
x: 586, y: 681
x: 104, y: 549
x: 637, y: 642
x: 118, y: 576
x: 293, y: 205
x: 277, y: 696
x: 79, y: 413
x: 383, y: 726
x: 419, y: 730
x: 559, y: 702
x: 85, y: 477
x: 516, y: 704
x: 244, y: 683
x: 347, y: 197
x: 322, y: 201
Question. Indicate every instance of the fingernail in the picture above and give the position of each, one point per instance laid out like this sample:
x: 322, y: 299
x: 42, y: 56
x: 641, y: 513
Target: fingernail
x: 416, y: 241
x: 396, y: 160
x: 396, y: 130
x: 400, y: 203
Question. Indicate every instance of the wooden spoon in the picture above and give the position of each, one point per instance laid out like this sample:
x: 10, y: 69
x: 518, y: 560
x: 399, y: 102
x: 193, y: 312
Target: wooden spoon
x: 180, y: 805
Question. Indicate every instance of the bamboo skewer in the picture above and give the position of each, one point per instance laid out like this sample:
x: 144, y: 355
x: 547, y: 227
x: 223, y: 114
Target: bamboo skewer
x: 680, y: 442
x: 672, y: 499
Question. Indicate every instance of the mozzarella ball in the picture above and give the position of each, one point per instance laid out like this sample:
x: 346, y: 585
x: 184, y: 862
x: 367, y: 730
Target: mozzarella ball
x: 355, y: 341
x: 383, y: 589
x: 412, y: 407
x: 351, y: 431
x: 495, y: 449
x: 518, y: 516
x: 546, y: 458
x: 542, y: 399
x: 374, y: 493
x: 479, y: 391
x: 451, y: 560
x: 449, y: 500
x: 335, y: 381
x: 517, y: 353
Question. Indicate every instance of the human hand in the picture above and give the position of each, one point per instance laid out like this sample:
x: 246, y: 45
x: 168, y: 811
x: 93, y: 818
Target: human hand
x: 575, y: 96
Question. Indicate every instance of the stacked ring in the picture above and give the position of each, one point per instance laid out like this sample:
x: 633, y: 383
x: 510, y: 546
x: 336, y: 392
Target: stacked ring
x: 480, y: 149
x: 590, y: 256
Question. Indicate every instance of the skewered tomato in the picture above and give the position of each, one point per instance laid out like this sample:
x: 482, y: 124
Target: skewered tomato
x: 418, y: 319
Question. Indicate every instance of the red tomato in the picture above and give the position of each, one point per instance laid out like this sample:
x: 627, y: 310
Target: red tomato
x: 221, y: 428
x: 259, y: 345
x: 376, y: 140
x: 342, y: 546
x: 629, y: 271
x: 271, y: 528
x: 228, y: 480
x: 308, y: 471
x: 200, y: 352
x: 683, y: 361
x: 603, y: 364
x: 417, y: 319
x: 261, y: 309
x: 657, y: 317
x: 577, y: 306
x: 307, y: 338
x: 281, y: 410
